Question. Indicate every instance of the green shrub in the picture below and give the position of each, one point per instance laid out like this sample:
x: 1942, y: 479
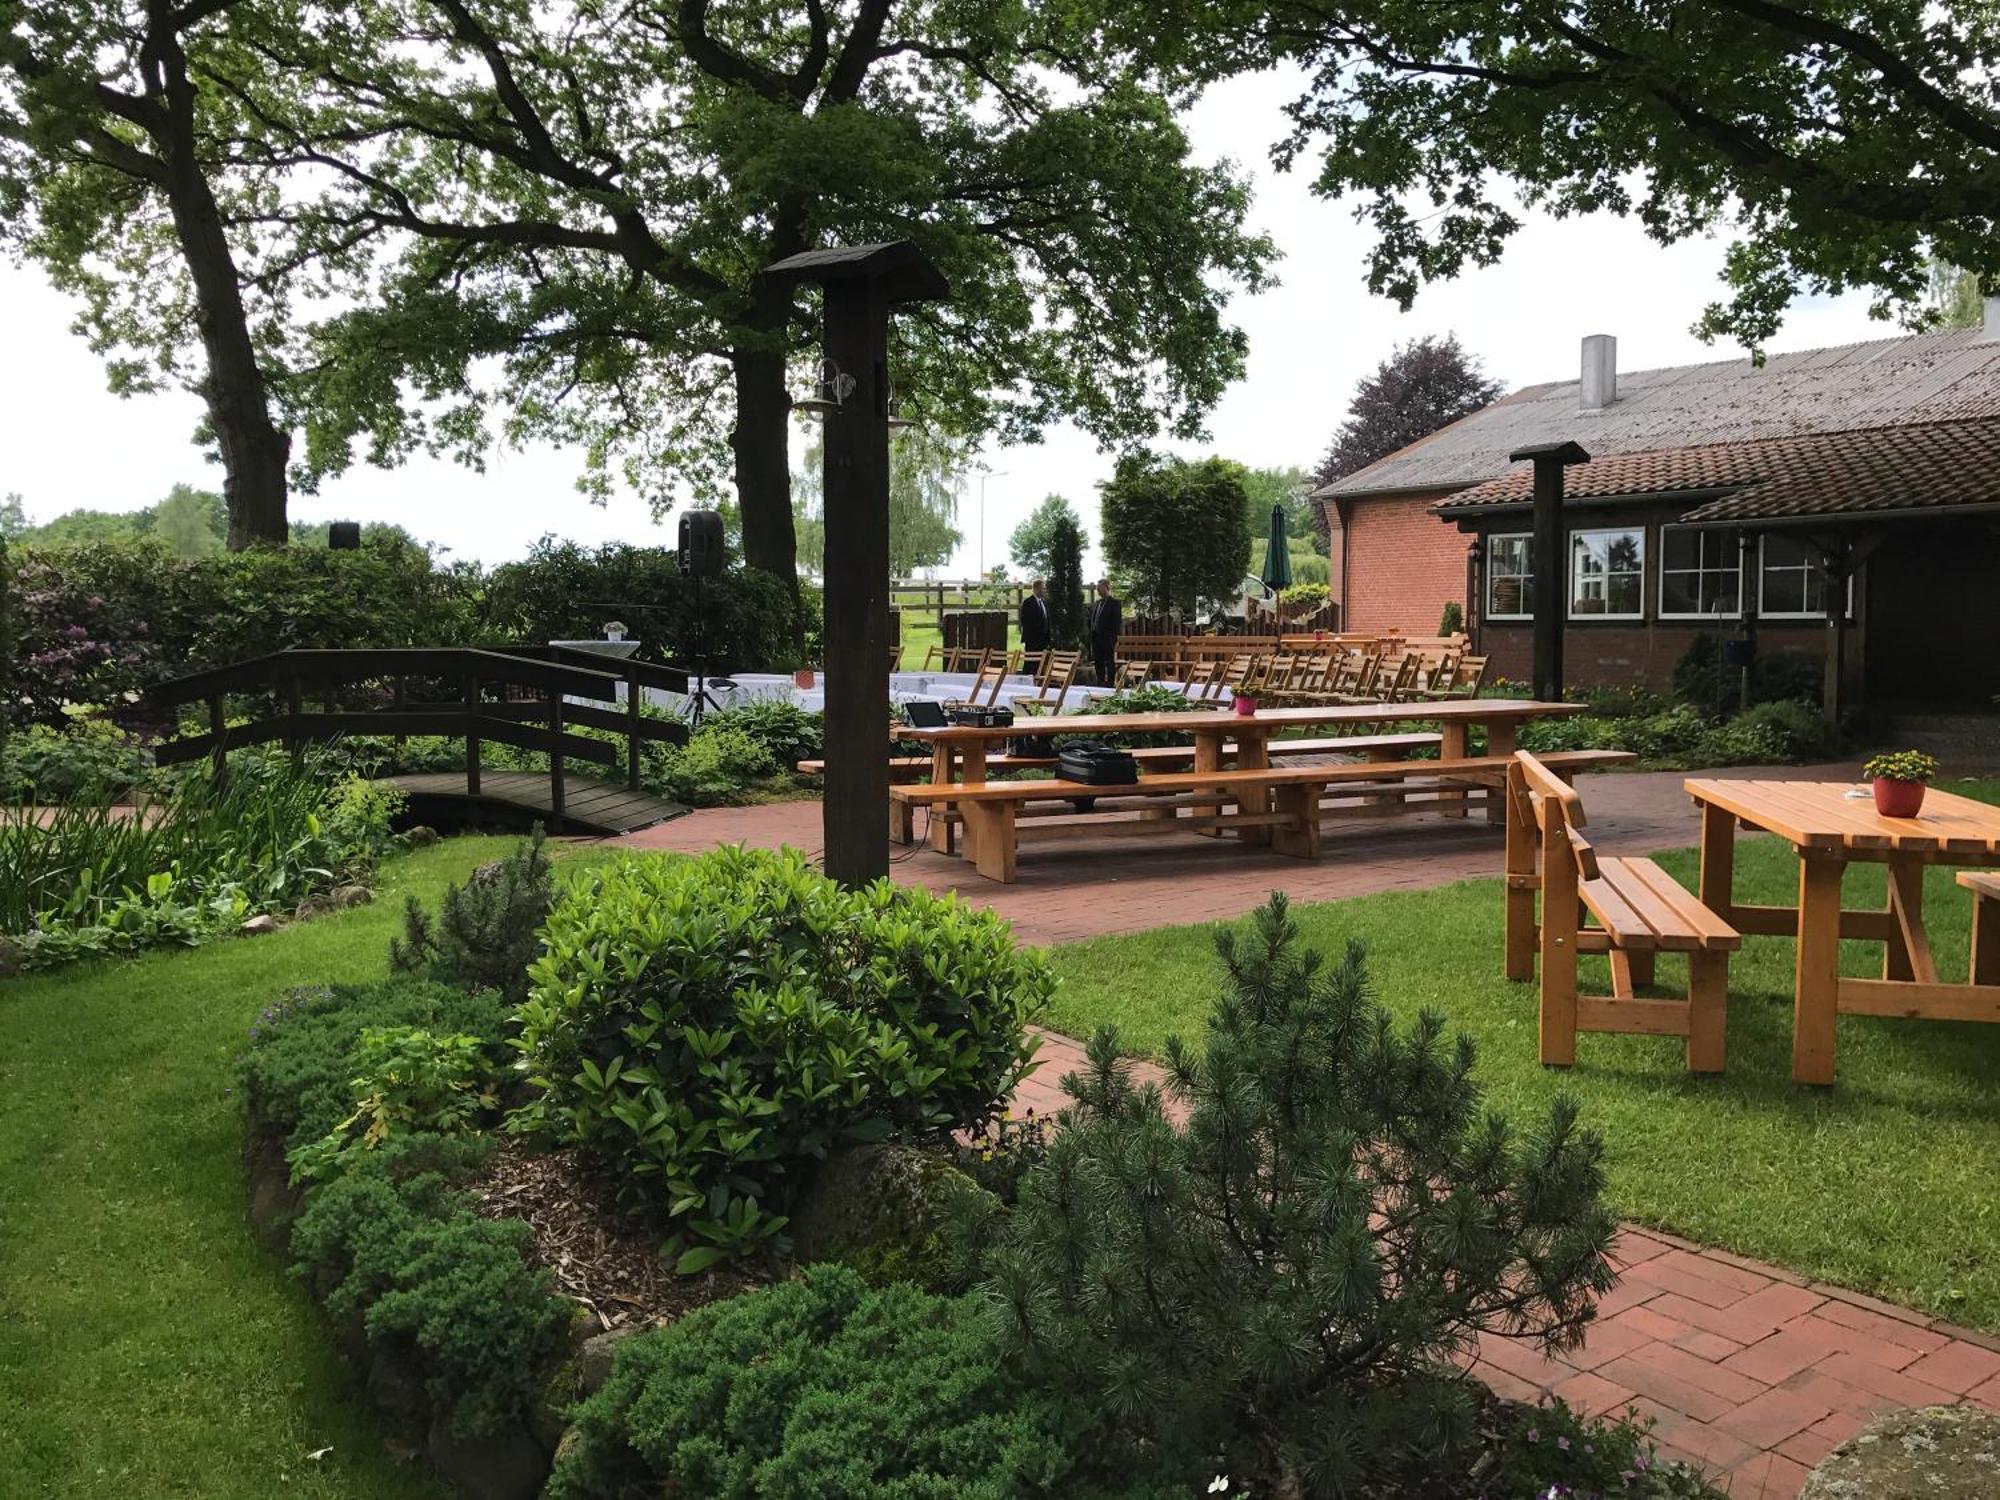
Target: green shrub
x: 716, y: 766
x: 704, y: 1028
x: 488, y: 930
x: 1452, y: 621
x: 789, y: 733
x: 1276, y: 1290
x: 815, y: 1388
x: 410, y: 1082
x: 434, y: 1284
x: 1901, y: 765
x: 1149, y: 699
x: 1549, y: 1452
x: 84, y: 756
x: 304, y: 1051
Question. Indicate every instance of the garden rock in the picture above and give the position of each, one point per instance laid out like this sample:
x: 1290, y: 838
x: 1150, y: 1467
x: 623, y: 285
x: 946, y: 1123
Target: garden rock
x: 548, y: 1412
x: 572, y: 1439
x: 882, y: 1210
x: 1924, y: 1453
x: 274, y: 1202
x: 506, y: 1465
x: 13, y: 957
x: 345, y: 896
x: 593, y: 1361
x: 420, y: 837
x: 262, y: 923
x: 397, y: 1391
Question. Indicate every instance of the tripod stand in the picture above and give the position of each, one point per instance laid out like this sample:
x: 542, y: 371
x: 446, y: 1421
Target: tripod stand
x: 700, y: 701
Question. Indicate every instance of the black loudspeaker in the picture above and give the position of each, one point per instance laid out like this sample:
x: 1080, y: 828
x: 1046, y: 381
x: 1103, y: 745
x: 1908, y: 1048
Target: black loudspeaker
x: 701, y: 543
x: 344, y: 536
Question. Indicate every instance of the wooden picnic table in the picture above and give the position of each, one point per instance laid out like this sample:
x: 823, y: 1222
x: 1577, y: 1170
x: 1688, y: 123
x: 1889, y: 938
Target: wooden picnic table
x: 958, y: 752
x: 1831, y: 830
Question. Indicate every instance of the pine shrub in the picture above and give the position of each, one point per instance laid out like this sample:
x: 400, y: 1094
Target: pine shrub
x: 488, y: 930
x: 1276, y: 1289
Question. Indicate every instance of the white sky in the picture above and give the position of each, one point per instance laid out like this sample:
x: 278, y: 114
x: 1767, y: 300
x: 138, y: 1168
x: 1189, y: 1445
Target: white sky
x: 70, y: 443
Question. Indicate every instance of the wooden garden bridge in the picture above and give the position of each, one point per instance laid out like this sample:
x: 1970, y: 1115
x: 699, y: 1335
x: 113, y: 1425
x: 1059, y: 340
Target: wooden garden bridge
x: 509, y: 695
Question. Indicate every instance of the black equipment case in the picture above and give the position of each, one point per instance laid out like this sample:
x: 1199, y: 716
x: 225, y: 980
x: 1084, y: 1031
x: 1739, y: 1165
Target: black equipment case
x: 1096, y: 764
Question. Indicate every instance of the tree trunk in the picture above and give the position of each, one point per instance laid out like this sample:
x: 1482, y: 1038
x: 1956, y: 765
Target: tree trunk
x: 761, y: 441
x: 254, y: 450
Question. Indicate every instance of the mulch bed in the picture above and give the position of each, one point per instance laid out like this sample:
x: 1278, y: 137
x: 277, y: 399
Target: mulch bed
x: 600, y: 1258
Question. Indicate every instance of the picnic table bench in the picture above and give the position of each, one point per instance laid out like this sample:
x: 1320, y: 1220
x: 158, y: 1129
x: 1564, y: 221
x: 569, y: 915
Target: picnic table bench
x: 1281, y: 803
x: 909, y: 768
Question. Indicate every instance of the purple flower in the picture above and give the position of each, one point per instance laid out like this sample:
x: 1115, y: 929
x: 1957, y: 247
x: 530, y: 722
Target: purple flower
x: 1534, y: 1435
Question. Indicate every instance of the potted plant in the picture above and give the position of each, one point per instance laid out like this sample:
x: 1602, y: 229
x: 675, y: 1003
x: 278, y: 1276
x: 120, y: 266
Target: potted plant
x: 1244, y: 705
x: 1899, y: 779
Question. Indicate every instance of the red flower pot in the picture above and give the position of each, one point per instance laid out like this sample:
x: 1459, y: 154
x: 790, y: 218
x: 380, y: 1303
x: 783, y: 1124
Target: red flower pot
x: 803, y: 677
x: 1898, y: 799
x: 1244, y: 705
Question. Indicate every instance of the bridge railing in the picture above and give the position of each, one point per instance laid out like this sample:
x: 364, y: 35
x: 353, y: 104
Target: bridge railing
x: 461, y: 692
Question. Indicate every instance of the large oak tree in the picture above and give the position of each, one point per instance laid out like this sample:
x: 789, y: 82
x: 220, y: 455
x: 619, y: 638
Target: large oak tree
x: 585, y: 196
x: 1840, y: 145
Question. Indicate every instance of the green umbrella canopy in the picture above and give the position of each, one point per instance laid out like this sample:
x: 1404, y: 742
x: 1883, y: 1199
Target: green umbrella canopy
x: 1277, y: 553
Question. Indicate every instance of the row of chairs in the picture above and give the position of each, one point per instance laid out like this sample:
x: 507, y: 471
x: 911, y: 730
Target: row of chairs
x: 1359, y: 677
x: 1054, y: 673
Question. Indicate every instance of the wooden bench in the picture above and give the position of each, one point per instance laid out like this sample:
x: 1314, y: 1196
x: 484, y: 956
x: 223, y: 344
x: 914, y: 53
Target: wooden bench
x: 904, y: 769
x: 1285, y: 800
x: 1641, y: 912
x: 1985, y: 888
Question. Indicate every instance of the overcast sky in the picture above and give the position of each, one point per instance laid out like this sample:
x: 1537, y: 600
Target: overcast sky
x: 70, y: 443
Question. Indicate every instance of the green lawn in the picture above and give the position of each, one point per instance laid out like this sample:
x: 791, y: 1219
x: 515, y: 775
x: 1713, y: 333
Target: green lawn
x: 920, y: 629
x: 148, y: 1345
x: 1889, y: 1183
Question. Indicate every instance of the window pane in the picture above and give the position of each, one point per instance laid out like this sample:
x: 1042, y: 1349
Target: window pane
x: 1784, y: 591
x: 1680, y: 594
x: 1607, y: 572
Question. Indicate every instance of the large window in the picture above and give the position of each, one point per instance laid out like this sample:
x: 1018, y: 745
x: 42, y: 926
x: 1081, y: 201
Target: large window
x: 1607, y: 575
x: 1793, y: 582
x: 1701, y: 574
x: 1510, y: 577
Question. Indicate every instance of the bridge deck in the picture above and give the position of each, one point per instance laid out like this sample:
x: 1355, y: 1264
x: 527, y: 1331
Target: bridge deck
x: 591, y: 804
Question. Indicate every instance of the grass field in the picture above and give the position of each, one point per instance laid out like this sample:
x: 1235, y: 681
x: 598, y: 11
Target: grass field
x: 1889, y: 1182
x: 149, y: 1346
x: 920, y: 629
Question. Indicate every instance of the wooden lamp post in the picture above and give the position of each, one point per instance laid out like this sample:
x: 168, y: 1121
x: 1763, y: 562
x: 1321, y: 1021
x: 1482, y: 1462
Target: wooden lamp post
x: 1550, y: 565
x: 862, y: 285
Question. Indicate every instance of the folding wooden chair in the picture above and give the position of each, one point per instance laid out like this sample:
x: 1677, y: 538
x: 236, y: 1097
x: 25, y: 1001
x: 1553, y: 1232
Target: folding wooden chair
x: 986, y: 685
x: 1133, y: 674
x: 1061, y: 676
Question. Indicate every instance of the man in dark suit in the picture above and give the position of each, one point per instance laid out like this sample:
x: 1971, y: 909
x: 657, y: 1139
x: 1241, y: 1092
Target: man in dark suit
x: 1035, y: 619
x: 1106, y: 616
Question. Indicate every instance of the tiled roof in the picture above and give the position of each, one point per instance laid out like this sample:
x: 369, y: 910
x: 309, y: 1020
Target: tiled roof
x: 1922, y: 378
x: 1866, y: 471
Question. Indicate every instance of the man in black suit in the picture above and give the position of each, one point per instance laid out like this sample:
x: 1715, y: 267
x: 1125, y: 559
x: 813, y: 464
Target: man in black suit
x: 1106, y: 616
x: 1035, y: 619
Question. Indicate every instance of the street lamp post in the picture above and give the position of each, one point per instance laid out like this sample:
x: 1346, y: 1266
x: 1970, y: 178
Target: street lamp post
x: 984, y: 475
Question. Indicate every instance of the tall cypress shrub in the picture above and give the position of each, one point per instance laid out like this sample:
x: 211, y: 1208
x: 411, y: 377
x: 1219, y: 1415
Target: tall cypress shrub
x: 1066, y: 603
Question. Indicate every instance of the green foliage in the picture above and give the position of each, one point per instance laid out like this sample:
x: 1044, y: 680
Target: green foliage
x: 187, y: 523
x: 716, y: 766
x: 1276, y: 1289
x: 1549, y: 1452
x: 304, y: 1050
x: 411, y: 1082
x: 705, y: 1028
x: 1177, y: 528
x: 789, y: 733
x: 1032, y: 544
x: 1901, y: 765
x: 1311, y: 567
x: 1422, y: 386
x: 818, y: 1387
x: 488, y: 930
x: 85, y: 877
x: 927, y: 472
x: 87, y: 755
x: 1067, y: 607
x: 1149, y: 699
x: 1833, y: 149
x: 1285, y: 488
x: 1452, y: 621
x: 434, y: 1283
x: 1300, y: 595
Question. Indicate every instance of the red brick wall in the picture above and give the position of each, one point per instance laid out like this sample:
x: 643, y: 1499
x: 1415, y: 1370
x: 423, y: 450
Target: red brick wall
x: 1402, y: 563
x: 1638, y: 653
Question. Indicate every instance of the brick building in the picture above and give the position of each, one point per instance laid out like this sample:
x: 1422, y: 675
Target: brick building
x: 1839, y: 503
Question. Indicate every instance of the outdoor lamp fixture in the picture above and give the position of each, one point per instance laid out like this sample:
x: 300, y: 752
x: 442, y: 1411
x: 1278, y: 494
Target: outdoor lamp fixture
x: 833, y: 388
x: 896, y: 420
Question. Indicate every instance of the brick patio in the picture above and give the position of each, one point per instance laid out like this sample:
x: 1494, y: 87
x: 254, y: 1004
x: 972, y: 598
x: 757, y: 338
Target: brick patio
x: 1748, y: 1370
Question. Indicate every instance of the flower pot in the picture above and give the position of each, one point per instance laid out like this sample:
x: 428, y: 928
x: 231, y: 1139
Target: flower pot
x: 1244, y: 705
x: 803, y: 678
x: 1898, y: 799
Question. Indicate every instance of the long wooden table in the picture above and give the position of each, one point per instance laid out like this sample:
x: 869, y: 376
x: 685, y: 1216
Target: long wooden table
x: 958, y: 752
x: 1830, y: 831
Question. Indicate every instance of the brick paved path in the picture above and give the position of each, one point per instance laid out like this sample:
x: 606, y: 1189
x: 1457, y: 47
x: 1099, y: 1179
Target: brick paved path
x: 1747, y: 1370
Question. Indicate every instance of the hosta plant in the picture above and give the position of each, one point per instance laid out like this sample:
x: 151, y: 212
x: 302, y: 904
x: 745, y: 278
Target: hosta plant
x: 1901, y: 765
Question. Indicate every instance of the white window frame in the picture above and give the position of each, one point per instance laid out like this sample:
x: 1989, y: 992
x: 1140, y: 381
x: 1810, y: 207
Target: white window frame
x: 1588, y: 617
x: 1795, y: 614
x: 1526, y: 577
x: 1732, y: 541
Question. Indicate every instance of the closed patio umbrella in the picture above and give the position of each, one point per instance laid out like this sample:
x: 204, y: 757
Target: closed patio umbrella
x: 1277, y: 553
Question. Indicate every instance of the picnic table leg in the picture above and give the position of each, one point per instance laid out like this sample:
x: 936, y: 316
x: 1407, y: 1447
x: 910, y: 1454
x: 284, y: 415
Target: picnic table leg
x: 1718, y: 861
x: 1453, y: 743
x: 944, y: 773
x: 1985, y: 939
x: 1499, y: 741
x: 1816, y: 996
x: 1522, y: 880
x: 1208, y: 757
x: 1253, y: 753
x: 989, y: 839
x: 1908, y: 953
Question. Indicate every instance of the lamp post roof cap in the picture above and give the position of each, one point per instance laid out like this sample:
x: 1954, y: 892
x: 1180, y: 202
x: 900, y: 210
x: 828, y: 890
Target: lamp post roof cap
x: 905, y: 273
x: 1562, y: 453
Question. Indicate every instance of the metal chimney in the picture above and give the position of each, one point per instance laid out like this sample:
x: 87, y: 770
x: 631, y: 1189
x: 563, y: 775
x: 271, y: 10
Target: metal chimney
x: 1600, y: 371
x: 1989, y: 320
